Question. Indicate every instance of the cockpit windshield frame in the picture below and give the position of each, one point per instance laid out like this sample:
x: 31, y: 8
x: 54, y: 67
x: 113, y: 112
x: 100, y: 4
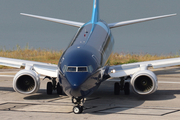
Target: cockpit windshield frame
x: 77, y: 69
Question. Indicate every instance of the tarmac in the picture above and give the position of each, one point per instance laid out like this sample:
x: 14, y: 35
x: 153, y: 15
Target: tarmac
x: 164, y: 104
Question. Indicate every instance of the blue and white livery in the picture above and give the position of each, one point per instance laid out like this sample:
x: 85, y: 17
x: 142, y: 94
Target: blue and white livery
x: 82, y: 67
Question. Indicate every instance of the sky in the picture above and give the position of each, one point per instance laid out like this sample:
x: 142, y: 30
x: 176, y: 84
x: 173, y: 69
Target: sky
x: 155, y: 37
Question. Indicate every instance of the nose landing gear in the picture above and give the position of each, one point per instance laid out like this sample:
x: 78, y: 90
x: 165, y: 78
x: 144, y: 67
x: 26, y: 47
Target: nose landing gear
x: 78, y: 108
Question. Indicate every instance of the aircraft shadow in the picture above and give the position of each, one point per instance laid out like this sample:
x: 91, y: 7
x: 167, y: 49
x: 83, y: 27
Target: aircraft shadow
x: 104, y: 99
x: 10, y: 89
x: 40, y: 95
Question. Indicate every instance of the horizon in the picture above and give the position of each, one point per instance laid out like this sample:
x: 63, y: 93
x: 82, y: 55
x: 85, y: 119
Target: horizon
x: 154, y: 37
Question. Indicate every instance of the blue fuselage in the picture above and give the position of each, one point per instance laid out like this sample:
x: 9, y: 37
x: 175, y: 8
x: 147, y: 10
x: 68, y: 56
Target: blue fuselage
x: 81, y: 63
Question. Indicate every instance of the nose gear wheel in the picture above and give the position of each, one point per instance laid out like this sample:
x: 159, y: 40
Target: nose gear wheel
x: 78, y: 108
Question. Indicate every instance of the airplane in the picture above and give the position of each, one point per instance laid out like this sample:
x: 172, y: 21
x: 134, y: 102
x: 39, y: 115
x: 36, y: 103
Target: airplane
x: 82, y: 67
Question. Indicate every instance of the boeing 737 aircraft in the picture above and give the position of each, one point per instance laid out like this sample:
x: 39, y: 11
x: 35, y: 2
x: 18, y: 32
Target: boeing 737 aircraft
x: 82, y: 67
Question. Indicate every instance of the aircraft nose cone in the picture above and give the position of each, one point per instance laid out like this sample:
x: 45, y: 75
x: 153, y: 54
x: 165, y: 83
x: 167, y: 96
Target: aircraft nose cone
x: 76, y: 80
x: 74, y: 85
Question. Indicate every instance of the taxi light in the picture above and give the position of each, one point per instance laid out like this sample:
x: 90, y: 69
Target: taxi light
x: 113, y: 71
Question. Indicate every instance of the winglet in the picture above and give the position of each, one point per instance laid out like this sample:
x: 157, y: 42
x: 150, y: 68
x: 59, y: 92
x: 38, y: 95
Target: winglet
x: 95, y: 13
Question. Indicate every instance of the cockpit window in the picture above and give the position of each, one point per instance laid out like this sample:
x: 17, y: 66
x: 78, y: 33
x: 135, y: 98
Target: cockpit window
x: 82, y: 69
x: 90, y: 69
x: 77, y: 69
x: 64, y: 68
x: 71, y: 69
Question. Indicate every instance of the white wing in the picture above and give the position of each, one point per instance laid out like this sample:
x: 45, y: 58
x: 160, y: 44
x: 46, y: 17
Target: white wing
x: 124, y: 23
x: 66, y: 22
x: 41, y: 68
x: 130, y: 69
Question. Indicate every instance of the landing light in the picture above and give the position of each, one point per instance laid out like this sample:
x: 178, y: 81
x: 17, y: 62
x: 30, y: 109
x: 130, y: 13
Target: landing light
x: 113, y: 71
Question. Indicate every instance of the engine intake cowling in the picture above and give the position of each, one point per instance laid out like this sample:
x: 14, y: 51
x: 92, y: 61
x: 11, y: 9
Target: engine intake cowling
x: 144, y: 82
x: 26, y: 82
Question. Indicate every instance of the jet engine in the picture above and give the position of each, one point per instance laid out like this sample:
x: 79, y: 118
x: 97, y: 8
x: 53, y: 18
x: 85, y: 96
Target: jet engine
x: 26, y: 82
x: 144, y: 82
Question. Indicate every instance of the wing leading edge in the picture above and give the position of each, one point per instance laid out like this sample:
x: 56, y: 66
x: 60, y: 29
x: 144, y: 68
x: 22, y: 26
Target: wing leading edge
x: 46, y: 69
x: 130, y: 69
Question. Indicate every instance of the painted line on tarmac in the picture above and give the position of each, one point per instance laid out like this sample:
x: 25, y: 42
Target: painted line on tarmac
x: 164, y: 82
x: 6, y: 75
x: 168, y: 82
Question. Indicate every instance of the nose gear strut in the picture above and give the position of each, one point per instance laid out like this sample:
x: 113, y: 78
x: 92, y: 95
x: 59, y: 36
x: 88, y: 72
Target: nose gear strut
x: 78, y: 108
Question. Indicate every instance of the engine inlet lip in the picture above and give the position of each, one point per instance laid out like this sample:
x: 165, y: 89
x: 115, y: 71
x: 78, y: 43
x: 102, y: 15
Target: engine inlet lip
x: 140, y: 92
x: 23, y: 92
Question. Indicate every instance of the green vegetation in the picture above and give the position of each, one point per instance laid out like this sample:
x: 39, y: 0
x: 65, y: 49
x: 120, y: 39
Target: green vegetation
x: 50, y: 56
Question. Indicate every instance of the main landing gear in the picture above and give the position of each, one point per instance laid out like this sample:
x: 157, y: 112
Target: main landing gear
x: 78, y: 108
x: 122, y: 86
x: 53, y: 86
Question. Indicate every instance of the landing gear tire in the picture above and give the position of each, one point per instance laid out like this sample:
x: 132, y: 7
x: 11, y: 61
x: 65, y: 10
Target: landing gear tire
x: 116, y: 88
x: 59, y: 89
x: 79, y: 105
x: 49, y: 88
x: 126, y: 89
x: 77, y: 109
x: 82, y: 109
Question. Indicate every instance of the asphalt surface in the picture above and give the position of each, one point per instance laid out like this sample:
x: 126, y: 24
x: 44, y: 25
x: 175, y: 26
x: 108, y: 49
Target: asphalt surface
x: 164, y: 104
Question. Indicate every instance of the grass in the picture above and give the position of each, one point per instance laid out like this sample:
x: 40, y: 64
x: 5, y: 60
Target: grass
x: 51, y: 56
x: 124, y: 58
x: 40, y: 55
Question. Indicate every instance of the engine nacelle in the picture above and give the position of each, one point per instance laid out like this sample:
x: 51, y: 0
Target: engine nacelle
x: 144, y: 82
x: 26, y: 82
